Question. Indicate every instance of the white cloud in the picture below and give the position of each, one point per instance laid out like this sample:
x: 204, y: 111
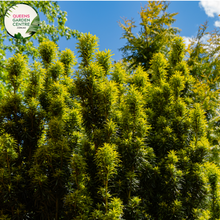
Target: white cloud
x: 217, y: 24
x: 205, y: 38
x: 187, y: 40
x: 212, y: 8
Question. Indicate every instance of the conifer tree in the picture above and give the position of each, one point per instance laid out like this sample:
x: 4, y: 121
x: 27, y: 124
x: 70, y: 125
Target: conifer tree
x: 155, y: 34
x: 203, y: 61
x: 97, y: 96
x: 17, y: 133
x: 177, y: 188
x: 40, y: 124
x: 108, y: 142
x: 132, y: 132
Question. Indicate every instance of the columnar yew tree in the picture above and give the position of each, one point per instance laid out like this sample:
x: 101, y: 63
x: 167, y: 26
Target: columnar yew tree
x: 50, y: 170
x: 106, y: 141
x: 20, y: 136
x: 39, y: 124
x: 131, y: 135
x: 203, y: 61
x: 97, y: 96
x: 177, y: 187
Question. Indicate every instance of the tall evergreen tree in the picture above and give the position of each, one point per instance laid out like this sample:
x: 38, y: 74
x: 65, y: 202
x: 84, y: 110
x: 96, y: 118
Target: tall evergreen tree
x: 109, y: 142
x: 37, y: 120
x: 177, y: 188
x: 155, y: 34
x: 97, y: 96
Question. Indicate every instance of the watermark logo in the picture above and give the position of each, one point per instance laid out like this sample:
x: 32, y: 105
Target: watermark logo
x: 21, y: 21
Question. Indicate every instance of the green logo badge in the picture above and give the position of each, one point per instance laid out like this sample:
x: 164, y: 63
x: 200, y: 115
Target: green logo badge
x: 21, y: 21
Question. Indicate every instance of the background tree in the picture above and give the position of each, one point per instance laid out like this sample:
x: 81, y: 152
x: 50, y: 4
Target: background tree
x: 203, y: 61
x: 154, y: 36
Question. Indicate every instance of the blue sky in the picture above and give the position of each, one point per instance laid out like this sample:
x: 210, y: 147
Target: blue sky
x: 100, y: 18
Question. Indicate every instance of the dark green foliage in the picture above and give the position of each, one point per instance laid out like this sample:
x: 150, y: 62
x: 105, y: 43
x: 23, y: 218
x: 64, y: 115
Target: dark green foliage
x: 106, y: 142
x: 38, y: 132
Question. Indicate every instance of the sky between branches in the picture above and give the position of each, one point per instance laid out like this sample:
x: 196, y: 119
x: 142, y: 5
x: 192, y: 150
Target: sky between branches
x: 101, y: 18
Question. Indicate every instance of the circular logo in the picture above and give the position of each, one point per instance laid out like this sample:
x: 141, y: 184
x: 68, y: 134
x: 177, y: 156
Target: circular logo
x: 21, y: 21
